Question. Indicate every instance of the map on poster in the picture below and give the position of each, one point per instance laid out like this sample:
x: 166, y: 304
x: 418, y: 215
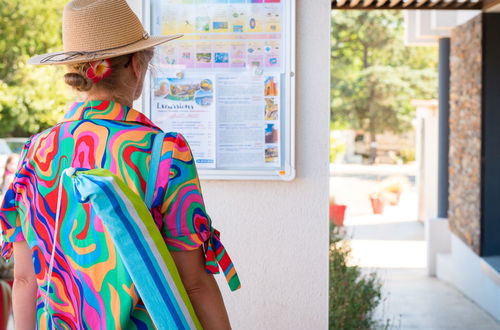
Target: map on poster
x: 221, y: 84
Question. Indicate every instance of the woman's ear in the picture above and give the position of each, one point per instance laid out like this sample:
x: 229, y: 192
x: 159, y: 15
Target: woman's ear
x: 136, y: 67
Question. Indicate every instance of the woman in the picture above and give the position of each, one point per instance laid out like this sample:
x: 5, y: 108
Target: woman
x: 107, y: 53
x: 9, y: 171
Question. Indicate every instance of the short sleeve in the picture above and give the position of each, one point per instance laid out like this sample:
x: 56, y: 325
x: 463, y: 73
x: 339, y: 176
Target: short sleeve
x: 10, y: 219
x: 186, y: 223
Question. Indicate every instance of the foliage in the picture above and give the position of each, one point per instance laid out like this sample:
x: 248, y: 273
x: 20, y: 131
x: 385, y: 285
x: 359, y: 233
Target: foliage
x: 31, y: 99
x: 353, y: 296
x: 374, y: 75
x: 408, y: 155
x: 336, y: 148
x: 6, y: 269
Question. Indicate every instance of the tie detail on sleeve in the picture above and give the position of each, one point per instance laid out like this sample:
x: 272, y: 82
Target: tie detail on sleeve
x: 215, y: 255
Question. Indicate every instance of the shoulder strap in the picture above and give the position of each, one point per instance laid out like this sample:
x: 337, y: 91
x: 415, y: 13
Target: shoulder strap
x: 154, y: 165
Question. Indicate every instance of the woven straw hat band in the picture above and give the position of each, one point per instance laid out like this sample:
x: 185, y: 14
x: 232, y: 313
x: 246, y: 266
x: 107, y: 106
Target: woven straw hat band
x: 93, y: 25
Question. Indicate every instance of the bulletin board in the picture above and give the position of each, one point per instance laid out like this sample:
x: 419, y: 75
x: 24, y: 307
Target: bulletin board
x: 227, y: 85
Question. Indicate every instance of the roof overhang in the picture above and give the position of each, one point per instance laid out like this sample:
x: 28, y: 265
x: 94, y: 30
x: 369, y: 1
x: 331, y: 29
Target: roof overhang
x: 414, y: 4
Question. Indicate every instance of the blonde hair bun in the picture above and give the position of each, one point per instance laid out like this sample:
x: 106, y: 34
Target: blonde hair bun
x: 77, y: 81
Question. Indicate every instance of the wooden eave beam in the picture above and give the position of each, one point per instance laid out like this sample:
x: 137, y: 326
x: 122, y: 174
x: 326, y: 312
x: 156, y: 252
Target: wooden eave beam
x: 354, y: 3
x: 367, y: 3
x: 341, y: 3
x: 408, y: 4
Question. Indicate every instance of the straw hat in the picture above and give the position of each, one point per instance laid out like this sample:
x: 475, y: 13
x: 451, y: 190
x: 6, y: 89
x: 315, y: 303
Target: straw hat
x: 99, y: 29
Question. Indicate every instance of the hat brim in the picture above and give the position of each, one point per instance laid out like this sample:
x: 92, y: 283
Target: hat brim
x: 83, y: 56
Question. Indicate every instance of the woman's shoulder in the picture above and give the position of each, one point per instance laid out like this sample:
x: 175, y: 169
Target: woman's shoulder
x: 177, y: 146
x: 175, y: 139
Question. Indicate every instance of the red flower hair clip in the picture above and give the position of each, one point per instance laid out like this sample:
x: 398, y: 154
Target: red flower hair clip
x: 98, y: 70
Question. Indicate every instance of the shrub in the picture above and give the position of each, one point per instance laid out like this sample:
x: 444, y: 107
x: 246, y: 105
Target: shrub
x: 336, y: 148
x: 353, y: 296
x: 6, y: 268
x: 408, y: 155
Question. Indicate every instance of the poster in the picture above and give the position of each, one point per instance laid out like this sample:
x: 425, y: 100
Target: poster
x: 245, y: 33
x: 246, y: 129
x: 220, y: 84
x: 187, y: 105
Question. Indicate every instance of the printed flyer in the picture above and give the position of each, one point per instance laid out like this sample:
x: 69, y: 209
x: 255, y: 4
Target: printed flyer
x: 187, y: 105
x: 247, y: 121
x: 221, y: 34
x: 220, y: 84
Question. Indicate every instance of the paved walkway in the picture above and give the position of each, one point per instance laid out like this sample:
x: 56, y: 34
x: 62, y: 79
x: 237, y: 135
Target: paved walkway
x: 412, y: 300
x: 393, y: 245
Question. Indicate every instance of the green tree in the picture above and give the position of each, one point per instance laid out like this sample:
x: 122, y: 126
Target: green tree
x: 31, y: 99
x: 374, y: 75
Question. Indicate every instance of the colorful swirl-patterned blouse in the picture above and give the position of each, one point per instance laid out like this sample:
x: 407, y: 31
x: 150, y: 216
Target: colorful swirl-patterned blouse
x: 90, y: 288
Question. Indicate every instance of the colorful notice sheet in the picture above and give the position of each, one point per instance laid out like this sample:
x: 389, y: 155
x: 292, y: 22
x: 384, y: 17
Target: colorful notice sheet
x: 220, y: 84
x: 187, y: 105
x: 247, y: 125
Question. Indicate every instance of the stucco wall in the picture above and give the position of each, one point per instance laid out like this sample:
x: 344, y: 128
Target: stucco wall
x: 277, y: 232
x: 465, y: 132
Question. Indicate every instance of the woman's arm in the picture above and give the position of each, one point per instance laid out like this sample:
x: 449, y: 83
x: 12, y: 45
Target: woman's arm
x: 24, y: 289
x: 202, y: 289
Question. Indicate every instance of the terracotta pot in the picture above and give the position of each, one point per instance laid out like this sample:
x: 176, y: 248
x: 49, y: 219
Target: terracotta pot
x: 337, y: 214
x: 395, y: 198
x: 377, y: 204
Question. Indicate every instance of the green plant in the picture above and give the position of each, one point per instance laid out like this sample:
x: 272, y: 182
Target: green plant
x: 31, y: 99
x: 353, y: 296
x: 374, y: 75
x: 6, y: 269
x: 336, y: 147
x: 408, y: 155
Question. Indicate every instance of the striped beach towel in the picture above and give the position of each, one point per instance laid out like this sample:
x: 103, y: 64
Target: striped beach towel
x: 136, y: 236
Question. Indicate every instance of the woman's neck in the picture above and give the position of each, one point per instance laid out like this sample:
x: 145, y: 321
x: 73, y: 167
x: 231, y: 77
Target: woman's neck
x: 128, y: 101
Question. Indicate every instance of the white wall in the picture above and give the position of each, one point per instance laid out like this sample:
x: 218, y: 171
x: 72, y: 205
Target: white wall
x: 472, y: 275
x: 427, y: 152
x: 425, y: 27
x: 277, y: 232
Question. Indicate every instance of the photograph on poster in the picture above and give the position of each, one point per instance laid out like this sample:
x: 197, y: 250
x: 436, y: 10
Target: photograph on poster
x: 221, y: 54
x: 183, y: 90
x: 271, y: 112
x: 270, y: 86
x: 271, y: 154
x: 161, y: 88
x: 271, y: 133
x: 221, y: 58
x: 203, y: 98
x: 204, y: 58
